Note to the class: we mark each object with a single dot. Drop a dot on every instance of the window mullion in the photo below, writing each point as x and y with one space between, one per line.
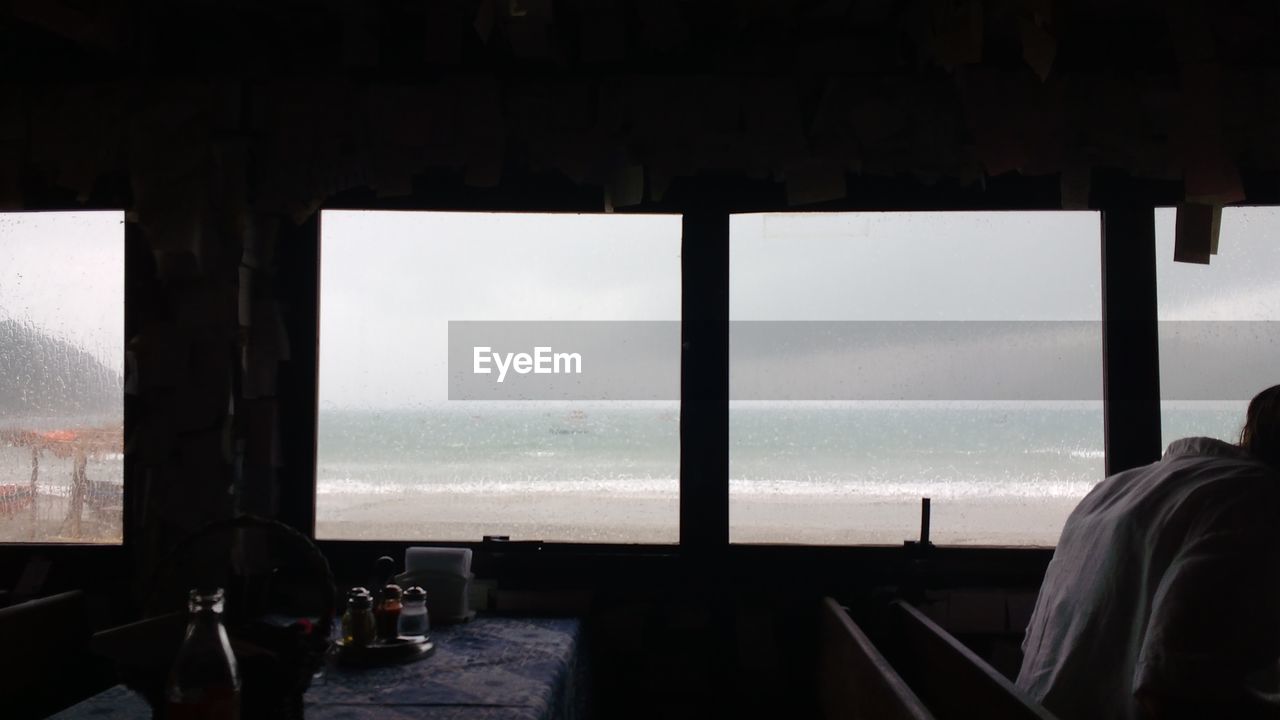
1130 344
704 383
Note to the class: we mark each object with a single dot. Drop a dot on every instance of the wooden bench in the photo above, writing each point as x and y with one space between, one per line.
855 680
951 679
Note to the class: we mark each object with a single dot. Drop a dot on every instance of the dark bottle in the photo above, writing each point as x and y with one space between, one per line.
204 683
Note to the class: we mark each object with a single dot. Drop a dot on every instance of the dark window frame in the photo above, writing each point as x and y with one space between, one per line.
706 203
562 564
136 256
106 567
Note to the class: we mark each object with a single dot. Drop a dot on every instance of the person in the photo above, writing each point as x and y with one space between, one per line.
1162 599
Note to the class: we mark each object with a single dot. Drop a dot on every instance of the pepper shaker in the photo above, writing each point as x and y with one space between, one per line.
387 614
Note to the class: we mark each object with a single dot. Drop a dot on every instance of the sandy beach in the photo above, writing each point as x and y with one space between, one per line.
49 523
54 459
595 519
649 519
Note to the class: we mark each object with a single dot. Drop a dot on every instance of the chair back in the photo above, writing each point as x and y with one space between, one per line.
855 680
951 679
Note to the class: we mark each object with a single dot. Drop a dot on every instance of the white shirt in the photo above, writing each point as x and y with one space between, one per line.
1167 579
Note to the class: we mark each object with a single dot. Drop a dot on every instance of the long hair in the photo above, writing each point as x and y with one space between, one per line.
1261 432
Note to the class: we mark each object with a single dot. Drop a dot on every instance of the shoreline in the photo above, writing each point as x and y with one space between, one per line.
593 518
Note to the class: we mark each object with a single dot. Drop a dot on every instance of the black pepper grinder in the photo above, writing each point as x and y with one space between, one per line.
384 569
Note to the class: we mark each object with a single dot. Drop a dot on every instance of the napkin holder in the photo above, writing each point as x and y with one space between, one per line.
445 573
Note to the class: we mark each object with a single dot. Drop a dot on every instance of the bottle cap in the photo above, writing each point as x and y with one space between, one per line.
415 593
391 592
205 599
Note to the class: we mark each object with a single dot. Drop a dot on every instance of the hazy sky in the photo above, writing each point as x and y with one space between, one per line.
915 266
64 273
1241 282
391 281
384 314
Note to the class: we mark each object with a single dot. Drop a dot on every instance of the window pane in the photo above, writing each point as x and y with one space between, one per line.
877 358
415 443
61 366
1218 329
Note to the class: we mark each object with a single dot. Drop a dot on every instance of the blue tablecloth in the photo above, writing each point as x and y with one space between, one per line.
488 669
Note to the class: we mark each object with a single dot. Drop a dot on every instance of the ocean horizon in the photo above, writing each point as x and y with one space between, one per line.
873 449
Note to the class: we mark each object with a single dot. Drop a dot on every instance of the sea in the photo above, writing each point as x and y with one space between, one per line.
799 452
873 450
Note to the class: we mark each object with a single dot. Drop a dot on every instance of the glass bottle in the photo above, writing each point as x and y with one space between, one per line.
413 613
357 622
388 613
205 682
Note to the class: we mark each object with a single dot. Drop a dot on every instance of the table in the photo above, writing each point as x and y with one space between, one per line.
492 668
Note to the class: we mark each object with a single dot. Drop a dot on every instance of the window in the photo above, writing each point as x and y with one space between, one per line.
1218 330
61 365
431 425
877 358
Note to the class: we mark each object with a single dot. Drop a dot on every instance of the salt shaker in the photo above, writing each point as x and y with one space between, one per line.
414 621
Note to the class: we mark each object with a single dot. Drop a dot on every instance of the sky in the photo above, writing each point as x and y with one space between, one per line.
384 313
391 281
1241 282
64 273
915 266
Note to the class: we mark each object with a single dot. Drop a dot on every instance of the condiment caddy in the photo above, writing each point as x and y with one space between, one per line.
391 630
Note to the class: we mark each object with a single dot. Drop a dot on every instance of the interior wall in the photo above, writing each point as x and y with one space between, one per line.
222 128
